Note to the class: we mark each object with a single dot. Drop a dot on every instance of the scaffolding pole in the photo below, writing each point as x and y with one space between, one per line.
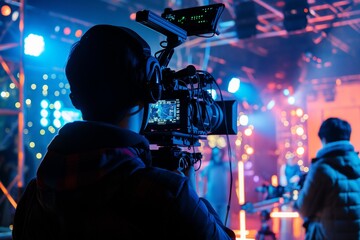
21 119
20 112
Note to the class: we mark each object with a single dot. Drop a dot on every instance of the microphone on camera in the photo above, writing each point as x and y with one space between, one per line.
189 71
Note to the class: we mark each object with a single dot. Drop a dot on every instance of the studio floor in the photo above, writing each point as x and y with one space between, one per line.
280 227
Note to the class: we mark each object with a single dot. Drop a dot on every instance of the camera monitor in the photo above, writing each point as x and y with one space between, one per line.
165 112
196 20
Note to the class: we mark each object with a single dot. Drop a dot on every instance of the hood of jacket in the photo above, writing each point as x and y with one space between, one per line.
84 152
341 156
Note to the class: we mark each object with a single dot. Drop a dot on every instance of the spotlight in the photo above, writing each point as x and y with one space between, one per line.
295 14
34 45
246 19
234 85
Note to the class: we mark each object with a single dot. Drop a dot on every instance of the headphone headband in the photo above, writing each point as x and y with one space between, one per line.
151 65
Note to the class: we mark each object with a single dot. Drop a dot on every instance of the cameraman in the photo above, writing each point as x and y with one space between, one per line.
329 201
96 180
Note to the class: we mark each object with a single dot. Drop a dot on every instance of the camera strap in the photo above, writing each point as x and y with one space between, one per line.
145 118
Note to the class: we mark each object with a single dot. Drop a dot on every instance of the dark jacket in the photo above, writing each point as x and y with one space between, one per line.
331 191
96 182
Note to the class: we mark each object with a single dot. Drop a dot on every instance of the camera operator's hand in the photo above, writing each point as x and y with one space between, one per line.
190 173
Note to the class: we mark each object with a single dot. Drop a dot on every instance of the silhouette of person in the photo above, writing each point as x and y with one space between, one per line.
290 173
214 182
329 201
96 180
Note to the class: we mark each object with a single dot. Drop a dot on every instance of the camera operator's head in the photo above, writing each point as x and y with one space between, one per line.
334 129
111 72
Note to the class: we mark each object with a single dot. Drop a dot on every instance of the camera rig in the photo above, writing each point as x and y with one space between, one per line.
186 111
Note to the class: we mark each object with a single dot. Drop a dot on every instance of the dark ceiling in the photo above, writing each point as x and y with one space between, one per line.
328 48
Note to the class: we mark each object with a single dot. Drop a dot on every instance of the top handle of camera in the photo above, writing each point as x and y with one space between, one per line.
177 25
175 35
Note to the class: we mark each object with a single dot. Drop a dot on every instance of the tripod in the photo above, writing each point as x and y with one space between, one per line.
265 232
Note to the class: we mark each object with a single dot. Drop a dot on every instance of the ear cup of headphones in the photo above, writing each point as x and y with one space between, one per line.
153 85
152 67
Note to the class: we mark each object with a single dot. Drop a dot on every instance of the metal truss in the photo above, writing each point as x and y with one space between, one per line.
321 17
19 83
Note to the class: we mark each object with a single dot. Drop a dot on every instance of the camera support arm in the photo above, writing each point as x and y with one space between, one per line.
175 35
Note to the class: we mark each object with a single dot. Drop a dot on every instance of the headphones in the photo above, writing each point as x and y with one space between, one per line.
153 76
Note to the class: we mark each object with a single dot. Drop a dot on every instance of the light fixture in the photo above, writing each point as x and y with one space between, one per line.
295 14
246 19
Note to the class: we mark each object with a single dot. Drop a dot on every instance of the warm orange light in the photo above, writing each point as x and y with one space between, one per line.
8 196
284 215
241 179
78 33
249 150
300 151
6 68
286 123
297 227
299 130
299 112
248 132
274 181
243 231
241 190
276 222
133 16
5 10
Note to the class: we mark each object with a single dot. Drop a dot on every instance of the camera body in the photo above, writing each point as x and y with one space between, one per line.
180 113
187 109
187 106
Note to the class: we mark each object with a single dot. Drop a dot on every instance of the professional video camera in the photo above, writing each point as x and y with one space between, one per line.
186 111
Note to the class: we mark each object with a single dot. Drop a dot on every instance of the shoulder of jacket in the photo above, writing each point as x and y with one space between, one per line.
160 179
